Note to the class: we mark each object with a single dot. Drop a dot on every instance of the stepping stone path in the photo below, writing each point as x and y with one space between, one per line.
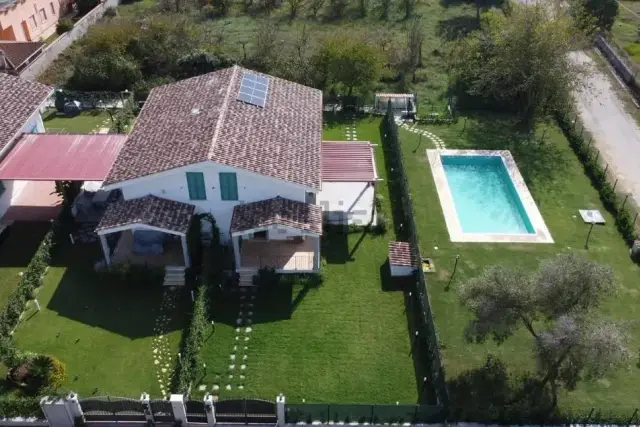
437 141
163 360
103 128
350 132
236 374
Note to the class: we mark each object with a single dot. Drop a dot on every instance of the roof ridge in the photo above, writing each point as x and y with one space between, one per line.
223 112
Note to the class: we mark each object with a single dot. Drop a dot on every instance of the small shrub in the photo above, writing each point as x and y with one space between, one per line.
11 407
377 201
110 12
64 25
37 373
382 225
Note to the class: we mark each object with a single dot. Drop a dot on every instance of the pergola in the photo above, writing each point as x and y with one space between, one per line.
146 213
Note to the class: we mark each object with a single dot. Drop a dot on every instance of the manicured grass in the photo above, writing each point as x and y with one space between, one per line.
17 245
85 122
625 29
345 340
558 184
102 330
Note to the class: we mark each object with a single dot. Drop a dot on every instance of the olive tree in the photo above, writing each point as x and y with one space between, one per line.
557 306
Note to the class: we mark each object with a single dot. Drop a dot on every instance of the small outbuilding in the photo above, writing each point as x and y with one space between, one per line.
402 261
403 104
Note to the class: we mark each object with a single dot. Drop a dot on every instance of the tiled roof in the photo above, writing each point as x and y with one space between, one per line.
19 99
148 210
348 161
200 119
277 211
18 52
400 253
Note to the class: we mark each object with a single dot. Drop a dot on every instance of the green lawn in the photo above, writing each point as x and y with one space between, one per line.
345 340
104 332
17 245
625 29
85 122
559 187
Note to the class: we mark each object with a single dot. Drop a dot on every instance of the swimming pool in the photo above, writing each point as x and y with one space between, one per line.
484 198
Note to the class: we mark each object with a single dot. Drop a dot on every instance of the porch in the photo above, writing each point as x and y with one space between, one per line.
283 255
125 252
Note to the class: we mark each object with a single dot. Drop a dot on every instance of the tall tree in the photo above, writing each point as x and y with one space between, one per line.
385 8
556 305
596 14
348 61
294 7
520 62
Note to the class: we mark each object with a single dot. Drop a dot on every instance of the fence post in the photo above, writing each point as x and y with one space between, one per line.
177 406
73 407
55 411
280 412
210 410
146 407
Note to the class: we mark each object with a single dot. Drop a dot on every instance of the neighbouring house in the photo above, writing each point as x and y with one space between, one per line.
15 56
243 146
30 20
20 105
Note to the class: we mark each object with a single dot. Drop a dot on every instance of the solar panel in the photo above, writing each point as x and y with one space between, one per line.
253 89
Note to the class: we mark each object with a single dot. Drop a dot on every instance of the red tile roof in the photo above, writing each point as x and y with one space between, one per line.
148 210
62 157
17 53
400 253
19 99
348 161
277 211
200 119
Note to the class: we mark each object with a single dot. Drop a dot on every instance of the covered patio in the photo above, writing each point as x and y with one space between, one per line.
280 233
152 231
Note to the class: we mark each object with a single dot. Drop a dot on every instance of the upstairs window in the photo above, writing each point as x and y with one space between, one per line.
228 186
195 182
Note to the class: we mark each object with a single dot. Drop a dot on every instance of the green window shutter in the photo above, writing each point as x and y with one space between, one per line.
195 182
228 186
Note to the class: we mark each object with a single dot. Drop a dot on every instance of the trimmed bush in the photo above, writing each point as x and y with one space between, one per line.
597 174
64 25
11 407
37 373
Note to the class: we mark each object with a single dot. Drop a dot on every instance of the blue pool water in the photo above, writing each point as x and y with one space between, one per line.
484 195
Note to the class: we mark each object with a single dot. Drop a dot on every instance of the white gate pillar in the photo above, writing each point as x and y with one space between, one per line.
210 410
179 411
55 411
73 407
146 407
280 401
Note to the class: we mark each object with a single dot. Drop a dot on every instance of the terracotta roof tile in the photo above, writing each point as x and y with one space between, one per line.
19 99
400 253
18 52
277 211
200 119
148 210
348 161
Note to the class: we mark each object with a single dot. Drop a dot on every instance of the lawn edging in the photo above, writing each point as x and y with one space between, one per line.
417 302
598 176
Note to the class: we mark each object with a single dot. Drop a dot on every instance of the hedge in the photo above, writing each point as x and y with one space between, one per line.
593 169
20 407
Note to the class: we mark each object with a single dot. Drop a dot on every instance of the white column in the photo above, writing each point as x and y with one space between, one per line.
146 407
316 253
55 410
105 249
210 410
236 250
185 251
280 401
179 411
73 407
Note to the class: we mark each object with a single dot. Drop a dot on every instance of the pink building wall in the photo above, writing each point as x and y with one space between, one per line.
30 20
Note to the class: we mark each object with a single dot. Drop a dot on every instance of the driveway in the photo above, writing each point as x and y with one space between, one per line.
615 132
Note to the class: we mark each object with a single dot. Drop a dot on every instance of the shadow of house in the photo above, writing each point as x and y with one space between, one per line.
20 242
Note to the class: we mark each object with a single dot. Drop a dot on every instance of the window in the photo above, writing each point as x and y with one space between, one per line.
228 186
32 21
34 129
2 188
43 15
53 9
195 182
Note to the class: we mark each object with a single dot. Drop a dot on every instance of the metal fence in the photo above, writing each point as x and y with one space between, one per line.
107 408
363 413
195 411
161 410
425 347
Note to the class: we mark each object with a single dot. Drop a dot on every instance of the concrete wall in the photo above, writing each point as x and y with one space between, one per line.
350 202
173 185
51 52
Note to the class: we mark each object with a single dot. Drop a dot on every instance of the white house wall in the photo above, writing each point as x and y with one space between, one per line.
283 233
173 185
351 200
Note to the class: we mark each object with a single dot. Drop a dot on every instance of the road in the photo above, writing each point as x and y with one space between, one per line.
615 132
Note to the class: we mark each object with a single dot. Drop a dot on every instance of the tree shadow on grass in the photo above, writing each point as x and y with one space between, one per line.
540 162
457 28
490 394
